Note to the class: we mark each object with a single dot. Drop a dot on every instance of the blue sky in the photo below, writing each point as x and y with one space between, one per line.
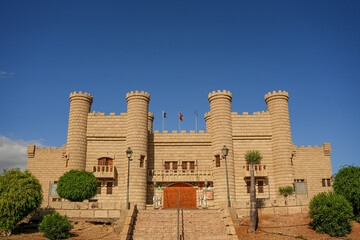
179 51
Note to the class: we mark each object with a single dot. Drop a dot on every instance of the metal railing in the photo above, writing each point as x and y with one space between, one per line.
180 174
104 171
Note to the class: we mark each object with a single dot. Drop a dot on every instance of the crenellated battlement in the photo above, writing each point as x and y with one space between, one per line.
276 95
258 113
182 132
80 95
31 149
94 113
137 94
326 147
219 94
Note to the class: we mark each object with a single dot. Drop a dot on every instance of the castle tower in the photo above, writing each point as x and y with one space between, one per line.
150 122
80 104
277 103
220 129
137 139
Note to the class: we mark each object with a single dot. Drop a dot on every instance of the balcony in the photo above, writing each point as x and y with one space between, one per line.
181 175
260 170
108 172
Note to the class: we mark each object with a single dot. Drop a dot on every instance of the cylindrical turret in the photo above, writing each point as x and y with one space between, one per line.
220 127
80 104
150 122
277 103
137 139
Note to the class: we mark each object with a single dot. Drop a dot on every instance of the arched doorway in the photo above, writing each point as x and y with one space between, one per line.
187 196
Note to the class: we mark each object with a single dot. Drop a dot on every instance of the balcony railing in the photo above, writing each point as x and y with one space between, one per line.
260 170
179 175
103 171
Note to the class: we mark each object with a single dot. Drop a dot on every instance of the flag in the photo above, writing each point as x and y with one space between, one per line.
165 115
181 116
196 114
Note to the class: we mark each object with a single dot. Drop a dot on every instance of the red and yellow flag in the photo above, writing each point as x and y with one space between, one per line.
180 116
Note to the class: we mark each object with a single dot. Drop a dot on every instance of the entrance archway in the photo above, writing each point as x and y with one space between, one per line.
187 196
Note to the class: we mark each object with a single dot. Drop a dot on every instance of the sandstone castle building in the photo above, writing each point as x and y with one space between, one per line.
164 162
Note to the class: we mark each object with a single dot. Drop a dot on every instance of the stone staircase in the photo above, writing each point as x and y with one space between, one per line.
194 224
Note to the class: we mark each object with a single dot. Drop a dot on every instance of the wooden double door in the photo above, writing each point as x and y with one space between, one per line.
187 196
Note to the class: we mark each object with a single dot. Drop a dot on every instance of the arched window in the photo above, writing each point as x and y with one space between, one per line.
105 164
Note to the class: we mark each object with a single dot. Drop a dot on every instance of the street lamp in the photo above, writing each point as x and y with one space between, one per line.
225 152
128 154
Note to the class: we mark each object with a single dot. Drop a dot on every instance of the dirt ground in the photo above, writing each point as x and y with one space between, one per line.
294 226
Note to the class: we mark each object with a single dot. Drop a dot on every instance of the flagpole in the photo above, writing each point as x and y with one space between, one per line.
196 121
163 121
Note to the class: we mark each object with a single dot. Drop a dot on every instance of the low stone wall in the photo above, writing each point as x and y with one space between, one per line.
87 210
279 206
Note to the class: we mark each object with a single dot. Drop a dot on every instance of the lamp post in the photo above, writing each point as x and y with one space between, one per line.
225 152
128 154
154 198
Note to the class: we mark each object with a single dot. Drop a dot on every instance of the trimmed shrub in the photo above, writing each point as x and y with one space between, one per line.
20 194
54 226
347 183
331 214
77 185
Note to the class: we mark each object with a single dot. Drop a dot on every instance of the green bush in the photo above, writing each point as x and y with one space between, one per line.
54 226
331 214
77 185
347 183
20 194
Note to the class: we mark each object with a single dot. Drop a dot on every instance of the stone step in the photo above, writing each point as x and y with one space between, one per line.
194 224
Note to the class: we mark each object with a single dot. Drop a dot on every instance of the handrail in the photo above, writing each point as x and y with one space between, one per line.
178 205
257 167
156 172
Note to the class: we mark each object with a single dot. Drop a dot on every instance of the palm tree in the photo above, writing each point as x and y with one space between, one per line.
252 157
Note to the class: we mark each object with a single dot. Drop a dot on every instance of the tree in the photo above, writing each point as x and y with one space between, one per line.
347 183
20 194
331 213
253 157
77 185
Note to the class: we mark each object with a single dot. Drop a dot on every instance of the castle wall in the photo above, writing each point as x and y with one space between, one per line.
313 164
180 147
100 125
252 132
48 165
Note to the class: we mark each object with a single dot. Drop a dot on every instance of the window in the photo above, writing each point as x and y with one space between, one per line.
328 182
325 181
217 160
105 164
142 159
260 186
192 165
167 165
184 165
248 186
174 165
109 187
98 191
